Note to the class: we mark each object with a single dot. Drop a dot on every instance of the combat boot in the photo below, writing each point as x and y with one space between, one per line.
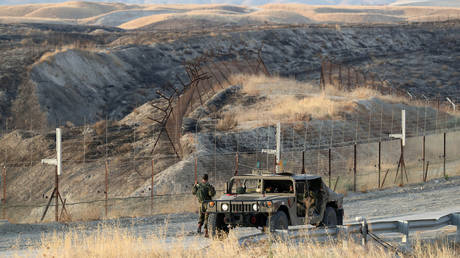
199 229
206 232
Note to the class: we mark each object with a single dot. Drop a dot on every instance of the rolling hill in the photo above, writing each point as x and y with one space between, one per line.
180 16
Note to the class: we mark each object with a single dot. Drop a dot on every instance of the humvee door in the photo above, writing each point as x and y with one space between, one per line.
300 190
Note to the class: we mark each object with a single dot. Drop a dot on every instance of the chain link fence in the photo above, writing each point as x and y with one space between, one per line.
109 168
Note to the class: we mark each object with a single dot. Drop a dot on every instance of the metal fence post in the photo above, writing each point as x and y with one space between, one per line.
364 231
106 191
354 167
423 159
380 162
303 162
196 170
444 157
56 193
330 167
151 190
4 192
236 163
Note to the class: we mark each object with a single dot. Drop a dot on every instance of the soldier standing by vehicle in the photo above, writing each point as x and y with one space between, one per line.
316 204
204 191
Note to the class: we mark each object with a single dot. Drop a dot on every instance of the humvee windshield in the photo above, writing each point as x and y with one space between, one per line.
246 186
278 186
250 186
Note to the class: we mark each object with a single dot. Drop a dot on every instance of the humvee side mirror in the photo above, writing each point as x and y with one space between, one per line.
226 188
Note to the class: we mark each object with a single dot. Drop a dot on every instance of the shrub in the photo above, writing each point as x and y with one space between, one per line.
227 122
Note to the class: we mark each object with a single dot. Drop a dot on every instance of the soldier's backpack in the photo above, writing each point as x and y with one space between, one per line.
204 192
201 192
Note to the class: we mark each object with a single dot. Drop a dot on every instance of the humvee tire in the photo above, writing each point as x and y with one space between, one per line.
330 217
278 221
216 225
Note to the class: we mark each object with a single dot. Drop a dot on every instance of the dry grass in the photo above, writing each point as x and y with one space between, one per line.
287 100
132 209
67 10
77 45
227 122
113 241
316 107
131 16
143 21
263 85
101 126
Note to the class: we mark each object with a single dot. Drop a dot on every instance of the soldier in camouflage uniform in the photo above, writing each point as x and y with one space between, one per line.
316 205
312 204
204 191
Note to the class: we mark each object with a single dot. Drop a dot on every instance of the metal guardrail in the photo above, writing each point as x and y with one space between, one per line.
362 228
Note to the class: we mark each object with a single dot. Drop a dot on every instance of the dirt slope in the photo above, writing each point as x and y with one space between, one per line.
119 79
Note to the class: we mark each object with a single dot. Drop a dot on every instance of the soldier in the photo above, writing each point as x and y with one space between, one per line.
309 202
316 204
204 191
304 203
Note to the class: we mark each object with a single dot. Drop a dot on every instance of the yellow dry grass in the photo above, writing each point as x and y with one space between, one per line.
316 107
113 241
227 123
288 100
301 14
89 48
89 13
67 10
126 209
47 56
143 21
371 14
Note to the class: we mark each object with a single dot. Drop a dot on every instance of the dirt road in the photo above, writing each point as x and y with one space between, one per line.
438 195
441 196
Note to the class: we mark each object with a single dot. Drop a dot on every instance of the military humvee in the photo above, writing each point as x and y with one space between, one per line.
274 201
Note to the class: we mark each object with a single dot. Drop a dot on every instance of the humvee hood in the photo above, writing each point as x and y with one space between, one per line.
250 197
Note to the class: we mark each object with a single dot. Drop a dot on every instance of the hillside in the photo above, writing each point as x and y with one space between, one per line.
102 72
445 3
262 2
125 70
124 148
183 16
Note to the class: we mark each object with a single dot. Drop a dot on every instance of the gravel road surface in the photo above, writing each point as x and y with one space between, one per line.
435 197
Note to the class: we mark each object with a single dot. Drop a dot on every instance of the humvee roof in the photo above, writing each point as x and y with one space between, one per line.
294 176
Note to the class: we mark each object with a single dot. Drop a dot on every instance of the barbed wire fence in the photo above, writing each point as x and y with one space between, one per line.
117 163
112 165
